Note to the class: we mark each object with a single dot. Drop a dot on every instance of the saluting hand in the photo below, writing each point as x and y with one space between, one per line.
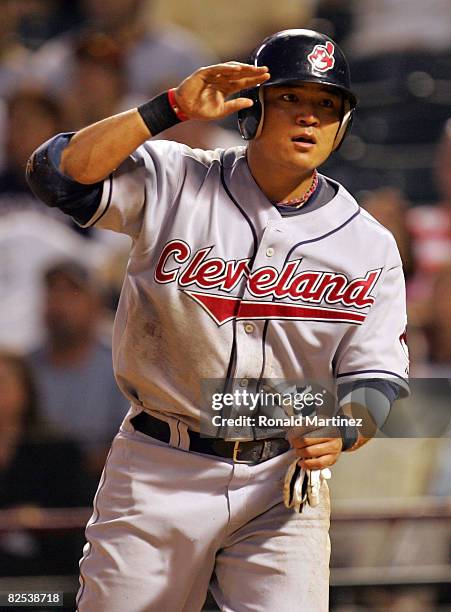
203 95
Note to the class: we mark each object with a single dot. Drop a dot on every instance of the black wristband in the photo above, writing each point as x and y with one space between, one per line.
349 435
158 114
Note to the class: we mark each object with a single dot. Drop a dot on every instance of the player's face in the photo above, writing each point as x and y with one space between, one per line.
300 124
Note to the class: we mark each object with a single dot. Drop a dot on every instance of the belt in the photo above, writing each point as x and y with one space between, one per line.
250 451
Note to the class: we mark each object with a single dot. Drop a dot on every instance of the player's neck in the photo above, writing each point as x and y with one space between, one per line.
280 184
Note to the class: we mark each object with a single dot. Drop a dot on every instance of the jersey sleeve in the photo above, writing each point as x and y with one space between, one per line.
377 396
377 349
145 181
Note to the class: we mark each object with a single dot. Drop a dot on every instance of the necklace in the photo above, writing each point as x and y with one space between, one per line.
298 202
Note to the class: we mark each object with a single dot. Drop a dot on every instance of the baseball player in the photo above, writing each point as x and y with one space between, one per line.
247 265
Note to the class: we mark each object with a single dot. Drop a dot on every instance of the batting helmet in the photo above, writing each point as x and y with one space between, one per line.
294 56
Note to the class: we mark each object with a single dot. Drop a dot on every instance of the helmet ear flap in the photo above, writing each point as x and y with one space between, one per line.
345 126
249 119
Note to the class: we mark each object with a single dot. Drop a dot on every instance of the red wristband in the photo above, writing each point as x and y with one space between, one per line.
175 108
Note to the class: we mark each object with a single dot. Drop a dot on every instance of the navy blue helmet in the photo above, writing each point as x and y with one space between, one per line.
295 56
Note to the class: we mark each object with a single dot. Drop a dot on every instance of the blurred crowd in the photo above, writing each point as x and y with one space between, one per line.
64 65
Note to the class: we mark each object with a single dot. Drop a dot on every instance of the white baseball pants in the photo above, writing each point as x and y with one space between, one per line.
168 523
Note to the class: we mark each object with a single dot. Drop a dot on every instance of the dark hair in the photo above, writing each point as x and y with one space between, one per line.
31 422
38 98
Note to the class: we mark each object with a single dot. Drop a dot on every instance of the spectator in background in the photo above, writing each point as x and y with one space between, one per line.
37 470
155 56
31 237
98 83
73 369
31 117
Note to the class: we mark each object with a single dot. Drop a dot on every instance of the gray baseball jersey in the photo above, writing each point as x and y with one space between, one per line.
221 286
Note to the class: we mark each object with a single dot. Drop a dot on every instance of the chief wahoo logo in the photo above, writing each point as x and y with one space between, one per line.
322 57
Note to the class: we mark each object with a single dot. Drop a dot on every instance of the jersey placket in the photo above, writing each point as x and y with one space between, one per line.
251 351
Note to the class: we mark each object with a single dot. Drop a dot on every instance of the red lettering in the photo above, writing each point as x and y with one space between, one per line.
302 285
235 270
335 289
316 293
261 282
310 286
207 273
190 273
357 291
181 252
282 288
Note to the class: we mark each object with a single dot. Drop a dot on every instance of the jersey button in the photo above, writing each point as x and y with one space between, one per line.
248 328
269 252
244 382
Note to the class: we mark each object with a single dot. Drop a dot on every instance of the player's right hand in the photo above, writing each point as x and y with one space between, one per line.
203 95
